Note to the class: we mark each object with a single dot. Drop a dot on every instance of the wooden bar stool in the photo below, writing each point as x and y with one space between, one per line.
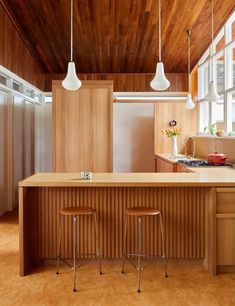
140 212
76 212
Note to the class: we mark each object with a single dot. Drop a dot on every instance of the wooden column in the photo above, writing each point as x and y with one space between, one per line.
82 129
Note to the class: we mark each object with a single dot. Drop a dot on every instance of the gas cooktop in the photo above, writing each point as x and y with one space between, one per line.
200 163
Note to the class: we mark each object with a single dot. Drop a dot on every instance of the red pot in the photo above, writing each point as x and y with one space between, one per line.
216 158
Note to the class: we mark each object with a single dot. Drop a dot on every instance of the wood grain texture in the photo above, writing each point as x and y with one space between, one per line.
117 36
82 127
15 55
204 177
186 120
126 81
183 211
209 144
225 226
161 165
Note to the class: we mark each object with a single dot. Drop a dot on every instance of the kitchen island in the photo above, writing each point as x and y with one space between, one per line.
190 205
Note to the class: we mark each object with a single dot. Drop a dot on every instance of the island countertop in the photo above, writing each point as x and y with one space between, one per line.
208 177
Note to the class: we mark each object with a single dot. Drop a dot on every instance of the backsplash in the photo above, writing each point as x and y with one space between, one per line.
208 144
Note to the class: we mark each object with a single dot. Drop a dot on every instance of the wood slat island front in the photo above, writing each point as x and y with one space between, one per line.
187 202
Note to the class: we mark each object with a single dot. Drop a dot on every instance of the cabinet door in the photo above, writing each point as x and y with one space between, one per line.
163 166
181 168
225 229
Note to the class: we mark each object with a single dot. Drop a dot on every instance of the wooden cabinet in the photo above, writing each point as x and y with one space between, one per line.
225 229
181 168
82 127
162 165
165 165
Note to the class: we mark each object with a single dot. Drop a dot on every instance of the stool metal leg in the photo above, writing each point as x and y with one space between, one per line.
139 251
74 251
97 241
59 246
124 244
163 245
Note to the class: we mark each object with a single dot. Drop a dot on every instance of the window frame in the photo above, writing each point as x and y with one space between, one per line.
228 86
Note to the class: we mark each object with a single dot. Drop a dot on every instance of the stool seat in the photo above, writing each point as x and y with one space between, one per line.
77 211
142 211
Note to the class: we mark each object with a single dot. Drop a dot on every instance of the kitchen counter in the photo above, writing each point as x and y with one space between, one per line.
204 176
187 202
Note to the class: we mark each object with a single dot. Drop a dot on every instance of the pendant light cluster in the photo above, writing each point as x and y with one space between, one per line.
159 81
71 82
189 102
212 95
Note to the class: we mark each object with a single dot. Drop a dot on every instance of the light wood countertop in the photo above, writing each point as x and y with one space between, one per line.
200 177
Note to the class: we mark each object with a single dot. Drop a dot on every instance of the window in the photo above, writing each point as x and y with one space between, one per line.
233 30
219 41
16 86
204 117
233 66
219 67
204 81
233 111
218 112
29 92
3 80
222 57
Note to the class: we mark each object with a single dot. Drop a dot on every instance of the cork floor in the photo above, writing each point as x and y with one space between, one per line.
188 283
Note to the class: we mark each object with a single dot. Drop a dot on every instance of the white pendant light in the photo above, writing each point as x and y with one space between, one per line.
159 81
212 95
189 102
71 82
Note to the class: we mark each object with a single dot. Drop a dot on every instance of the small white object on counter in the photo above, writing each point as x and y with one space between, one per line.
85 175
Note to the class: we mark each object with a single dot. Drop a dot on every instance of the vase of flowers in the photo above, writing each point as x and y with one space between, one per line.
173 133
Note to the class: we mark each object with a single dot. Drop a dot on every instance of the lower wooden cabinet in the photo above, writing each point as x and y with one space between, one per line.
181 168
225 230
161 165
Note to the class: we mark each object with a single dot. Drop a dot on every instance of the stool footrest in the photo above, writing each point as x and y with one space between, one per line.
143 255
79 255
138 255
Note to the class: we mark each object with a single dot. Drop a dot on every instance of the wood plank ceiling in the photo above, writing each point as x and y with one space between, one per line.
116 36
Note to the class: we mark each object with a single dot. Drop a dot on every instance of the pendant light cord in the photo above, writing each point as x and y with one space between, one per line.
159 31
189 33
212 39
71 33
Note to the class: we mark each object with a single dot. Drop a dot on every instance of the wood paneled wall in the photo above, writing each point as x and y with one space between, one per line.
208 144
183 211
82 129
128 81
14 54
164 113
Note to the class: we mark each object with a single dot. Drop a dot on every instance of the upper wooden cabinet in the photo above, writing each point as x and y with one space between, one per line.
82 127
